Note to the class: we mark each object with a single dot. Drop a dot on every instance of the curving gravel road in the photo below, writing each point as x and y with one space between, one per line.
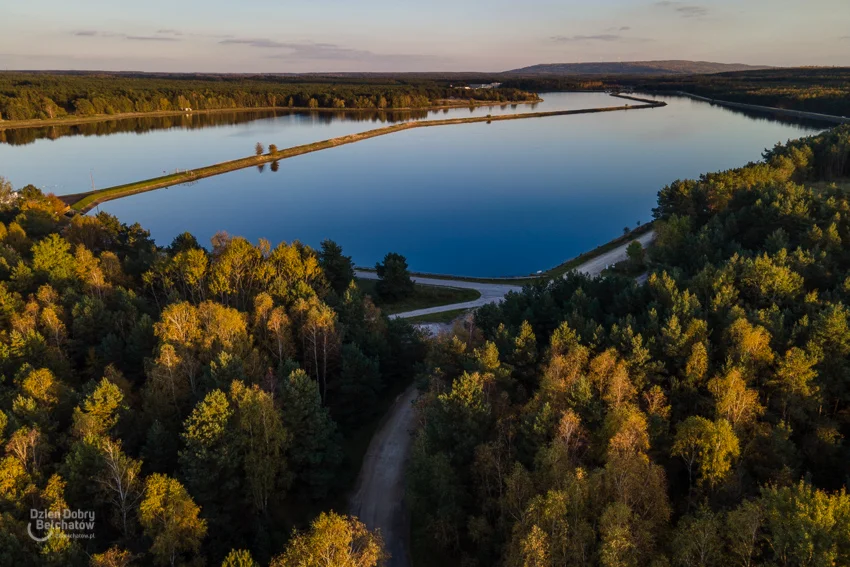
495 293
490 293
594 266
378 499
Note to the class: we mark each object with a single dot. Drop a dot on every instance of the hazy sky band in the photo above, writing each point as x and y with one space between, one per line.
400 35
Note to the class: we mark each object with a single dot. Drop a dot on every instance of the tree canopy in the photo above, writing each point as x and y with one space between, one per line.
699 419
189 397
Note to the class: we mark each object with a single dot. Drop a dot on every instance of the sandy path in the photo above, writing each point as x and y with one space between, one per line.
490 293
595 266
379 498
495 293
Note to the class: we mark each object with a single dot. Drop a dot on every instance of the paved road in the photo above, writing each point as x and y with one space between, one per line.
379 498
490 293
595 266
495 293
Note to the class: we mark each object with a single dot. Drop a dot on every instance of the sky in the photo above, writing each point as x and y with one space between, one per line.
281 36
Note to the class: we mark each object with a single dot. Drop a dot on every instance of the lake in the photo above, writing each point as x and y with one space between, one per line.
500 199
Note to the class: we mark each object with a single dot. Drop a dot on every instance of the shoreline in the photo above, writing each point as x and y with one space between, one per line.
832 118
85 201
80 120
553 272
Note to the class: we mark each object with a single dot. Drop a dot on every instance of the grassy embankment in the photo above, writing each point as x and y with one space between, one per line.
424 296
557 271
442 317
561 269
84 202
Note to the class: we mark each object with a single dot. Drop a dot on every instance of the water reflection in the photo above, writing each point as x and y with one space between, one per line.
507 198
195 121
123 151
757 115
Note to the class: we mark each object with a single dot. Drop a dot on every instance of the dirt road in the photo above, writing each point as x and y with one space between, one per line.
490 293
494 293
595 266
379 498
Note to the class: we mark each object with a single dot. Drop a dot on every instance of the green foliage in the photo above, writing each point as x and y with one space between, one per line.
637 256
710 446
314 453
333 540
48 96
807 526
813 89
163 388
239 558
699 419
394 278
170 519
338 268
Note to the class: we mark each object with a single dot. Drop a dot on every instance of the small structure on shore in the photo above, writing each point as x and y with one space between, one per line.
485 86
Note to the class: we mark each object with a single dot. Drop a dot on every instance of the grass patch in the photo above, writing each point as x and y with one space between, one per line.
520 281
444 317
424 296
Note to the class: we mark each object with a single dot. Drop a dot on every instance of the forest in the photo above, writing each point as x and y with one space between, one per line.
200 404
209 405
817 89
812 89
30 96
698 420
151 123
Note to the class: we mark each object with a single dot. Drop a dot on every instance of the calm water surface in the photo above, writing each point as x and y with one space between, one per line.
65 159
506 198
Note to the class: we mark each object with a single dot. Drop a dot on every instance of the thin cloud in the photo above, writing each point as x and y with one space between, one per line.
180 33
597 37
603 37
325 51
683 9
262 43
150 38
94 33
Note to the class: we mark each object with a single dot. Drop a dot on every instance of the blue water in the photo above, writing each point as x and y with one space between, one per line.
69 164
507 198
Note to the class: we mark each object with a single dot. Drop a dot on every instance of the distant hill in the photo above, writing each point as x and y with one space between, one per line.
635 68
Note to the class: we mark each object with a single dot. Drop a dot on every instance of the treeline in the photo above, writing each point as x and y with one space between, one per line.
200 403
144 124
817 89
44 96
700 419
568 83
